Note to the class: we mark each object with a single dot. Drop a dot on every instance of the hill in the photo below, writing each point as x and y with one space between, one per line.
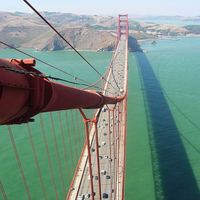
80 38
84 32
26 30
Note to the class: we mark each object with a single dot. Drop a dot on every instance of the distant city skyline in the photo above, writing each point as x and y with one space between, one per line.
107 7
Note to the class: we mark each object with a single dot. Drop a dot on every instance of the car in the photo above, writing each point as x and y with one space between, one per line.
104 109
93 150
105 195
106 157
89 177
112 143
96 177
107 177
87 196
111 190
103 172
100 157
80 197
88 164
103 143
105 134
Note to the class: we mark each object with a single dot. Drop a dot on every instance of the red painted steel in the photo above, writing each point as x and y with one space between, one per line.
86 121
25 95
21 95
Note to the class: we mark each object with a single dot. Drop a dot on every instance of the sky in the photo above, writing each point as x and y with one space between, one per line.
107 7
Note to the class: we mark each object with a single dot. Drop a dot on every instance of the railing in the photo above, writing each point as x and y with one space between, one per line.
55 149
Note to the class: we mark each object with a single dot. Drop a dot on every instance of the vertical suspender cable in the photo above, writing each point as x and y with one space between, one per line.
18 161
88 150
74 136
36 161
119 121
78 131
47 151
82 131
3 191
110 150
63 140
56 145
113 149
77 122
97 152
116 148
69 137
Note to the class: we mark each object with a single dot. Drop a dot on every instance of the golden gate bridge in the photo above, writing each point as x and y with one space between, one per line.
90 123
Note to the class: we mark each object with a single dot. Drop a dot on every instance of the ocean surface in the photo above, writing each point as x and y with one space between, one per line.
163 134
163 142
171 22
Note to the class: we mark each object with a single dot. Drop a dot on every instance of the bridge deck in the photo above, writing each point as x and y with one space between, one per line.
111 146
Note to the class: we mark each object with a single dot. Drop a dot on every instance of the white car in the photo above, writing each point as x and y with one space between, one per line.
80 197
104 109
89 177
103 172
103 143
87 196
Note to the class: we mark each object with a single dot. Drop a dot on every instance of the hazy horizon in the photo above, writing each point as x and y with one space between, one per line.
111 7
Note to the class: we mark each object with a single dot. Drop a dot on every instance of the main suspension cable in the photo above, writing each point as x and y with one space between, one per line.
67 41
87 84
61 36
43 62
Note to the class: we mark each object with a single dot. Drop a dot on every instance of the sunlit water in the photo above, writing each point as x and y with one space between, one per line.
171 22
163 149
163 136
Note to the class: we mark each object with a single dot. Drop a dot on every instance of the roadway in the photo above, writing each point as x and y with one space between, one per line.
110 139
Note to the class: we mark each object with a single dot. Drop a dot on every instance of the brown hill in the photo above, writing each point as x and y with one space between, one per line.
16 30
84 32
23 30
80 38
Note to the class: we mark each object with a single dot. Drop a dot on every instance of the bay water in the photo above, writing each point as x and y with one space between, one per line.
163 133
171 22
163 141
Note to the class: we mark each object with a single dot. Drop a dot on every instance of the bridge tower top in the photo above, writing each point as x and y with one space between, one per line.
122 26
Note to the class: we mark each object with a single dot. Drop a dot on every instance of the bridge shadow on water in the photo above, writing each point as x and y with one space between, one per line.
173 175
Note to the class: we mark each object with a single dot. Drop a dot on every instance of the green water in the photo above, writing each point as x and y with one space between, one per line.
10 175
163 124
175 67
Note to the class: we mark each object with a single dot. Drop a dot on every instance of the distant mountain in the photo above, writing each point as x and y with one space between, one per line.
177 17
84 32
16 30
80 38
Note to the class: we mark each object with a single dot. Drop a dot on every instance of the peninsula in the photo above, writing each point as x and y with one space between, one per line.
84 32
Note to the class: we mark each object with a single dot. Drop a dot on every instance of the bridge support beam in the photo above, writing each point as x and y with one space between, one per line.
25 92
95 121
